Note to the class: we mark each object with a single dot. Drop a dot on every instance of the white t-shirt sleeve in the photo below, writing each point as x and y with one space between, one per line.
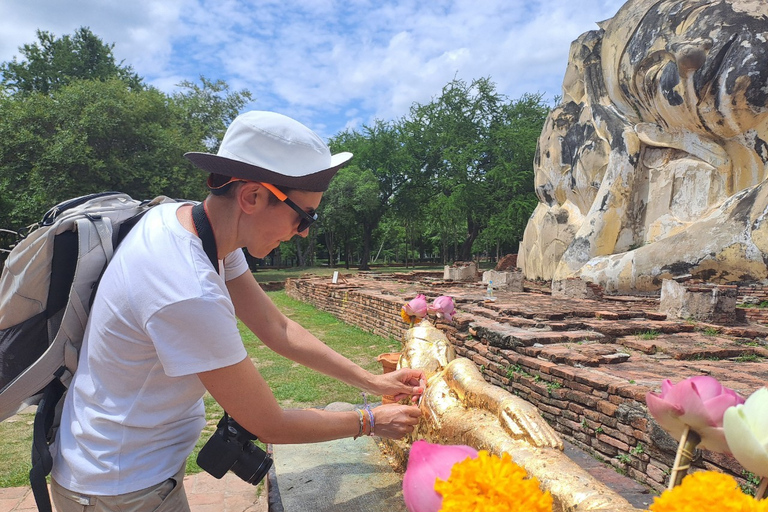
235 264
196 335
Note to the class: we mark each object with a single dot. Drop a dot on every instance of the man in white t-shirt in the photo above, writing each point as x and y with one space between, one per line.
163 331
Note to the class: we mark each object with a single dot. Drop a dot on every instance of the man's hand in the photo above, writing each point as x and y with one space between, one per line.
406 382
394 421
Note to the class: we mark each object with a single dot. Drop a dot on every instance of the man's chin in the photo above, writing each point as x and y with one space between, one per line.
263 253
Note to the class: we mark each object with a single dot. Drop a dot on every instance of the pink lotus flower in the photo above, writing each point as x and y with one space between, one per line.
426 463
443 307
416 307
697 402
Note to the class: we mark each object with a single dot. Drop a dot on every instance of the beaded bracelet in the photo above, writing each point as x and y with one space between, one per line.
370 413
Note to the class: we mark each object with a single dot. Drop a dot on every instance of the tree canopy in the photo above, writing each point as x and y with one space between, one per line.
456 174
75 122
53 62
450 180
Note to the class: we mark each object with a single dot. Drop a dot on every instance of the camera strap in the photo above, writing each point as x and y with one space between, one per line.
205 232
224 422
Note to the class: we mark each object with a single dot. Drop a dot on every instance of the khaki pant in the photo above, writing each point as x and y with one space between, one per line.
167 496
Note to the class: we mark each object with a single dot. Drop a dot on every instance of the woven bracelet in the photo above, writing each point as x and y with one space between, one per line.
362 421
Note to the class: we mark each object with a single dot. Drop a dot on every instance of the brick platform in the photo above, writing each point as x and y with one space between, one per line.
586 364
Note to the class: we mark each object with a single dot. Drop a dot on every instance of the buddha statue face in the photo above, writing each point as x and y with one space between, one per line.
663 127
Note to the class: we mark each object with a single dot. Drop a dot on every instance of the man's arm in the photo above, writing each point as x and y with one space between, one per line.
289 339
245 395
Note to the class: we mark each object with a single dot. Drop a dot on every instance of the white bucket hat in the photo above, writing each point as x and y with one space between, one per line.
273 148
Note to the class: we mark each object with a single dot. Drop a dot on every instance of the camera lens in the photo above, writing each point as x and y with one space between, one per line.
230 449
253 463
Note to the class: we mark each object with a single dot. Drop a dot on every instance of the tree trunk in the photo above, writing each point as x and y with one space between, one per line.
366 255
300 256
466 246
346 256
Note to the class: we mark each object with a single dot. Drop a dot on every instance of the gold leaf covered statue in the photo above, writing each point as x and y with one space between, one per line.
460 407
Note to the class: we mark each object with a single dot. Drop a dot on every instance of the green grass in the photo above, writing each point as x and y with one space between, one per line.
648 335
16 436
293 385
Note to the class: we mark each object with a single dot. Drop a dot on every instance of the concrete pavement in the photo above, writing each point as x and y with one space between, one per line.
205 494
337 476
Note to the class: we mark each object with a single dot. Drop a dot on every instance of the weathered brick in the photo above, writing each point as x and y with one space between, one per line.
579 387
480 360
568 423
639 423
582 398
593 425
554 411
607 408
567 373
603 447
619 445
616 433
553 399
594 380
657 474
592 415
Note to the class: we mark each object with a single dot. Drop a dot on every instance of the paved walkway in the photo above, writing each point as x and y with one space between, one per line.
205 494
338 476
346 475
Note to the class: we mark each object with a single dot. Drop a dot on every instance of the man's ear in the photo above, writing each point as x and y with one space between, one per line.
251 196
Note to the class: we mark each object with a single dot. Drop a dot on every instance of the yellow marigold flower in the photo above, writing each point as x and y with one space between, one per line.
491 484
706 491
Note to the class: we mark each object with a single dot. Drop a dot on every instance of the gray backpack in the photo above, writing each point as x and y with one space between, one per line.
46 289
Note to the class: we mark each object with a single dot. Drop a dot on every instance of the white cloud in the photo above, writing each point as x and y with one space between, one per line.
330 63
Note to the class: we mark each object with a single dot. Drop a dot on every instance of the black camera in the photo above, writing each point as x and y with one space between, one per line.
231 447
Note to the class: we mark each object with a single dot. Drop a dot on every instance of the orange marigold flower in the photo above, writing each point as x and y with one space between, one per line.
491 484
707 491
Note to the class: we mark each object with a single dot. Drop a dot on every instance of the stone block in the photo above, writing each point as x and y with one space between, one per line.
460 271
575 288
506 281
704 303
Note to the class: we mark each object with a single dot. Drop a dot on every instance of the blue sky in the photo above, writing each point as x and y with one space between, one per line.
330 64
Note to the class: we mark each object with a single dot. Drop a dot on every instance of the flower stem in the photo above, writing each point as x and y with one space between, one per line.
688 443
760 492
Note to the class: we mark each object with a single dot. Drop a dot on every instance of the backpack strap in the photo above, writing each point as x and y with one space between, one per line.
42 461
205 232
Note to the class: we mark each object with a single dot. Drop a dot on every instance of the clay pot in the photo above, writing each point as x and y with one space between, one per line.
388 364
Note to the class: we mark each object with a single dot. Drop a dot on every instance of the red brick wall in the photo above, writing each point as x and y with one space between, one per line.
605 417
754 294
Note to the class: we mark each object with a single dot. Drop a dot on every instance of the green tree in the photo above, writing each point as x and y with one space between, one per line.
210 108
91 136
349 209
53 62
380 160
513 139
73 122
450 138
